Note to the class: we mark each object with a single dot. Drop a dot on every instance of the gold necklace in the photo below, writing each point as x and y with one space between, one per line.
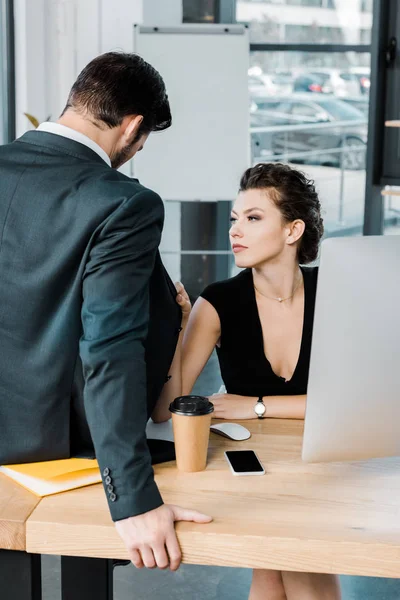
279 299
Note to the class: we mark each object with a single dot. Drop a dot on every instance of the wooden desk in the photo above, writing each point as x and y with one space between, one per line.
16 505
331 518
20 575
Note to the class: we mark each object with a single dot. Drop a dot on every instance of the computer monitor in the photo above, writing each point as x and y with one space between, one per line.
353 397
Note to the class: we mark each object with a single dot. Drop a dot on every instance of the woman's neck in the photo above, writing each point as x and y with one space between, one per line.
278 280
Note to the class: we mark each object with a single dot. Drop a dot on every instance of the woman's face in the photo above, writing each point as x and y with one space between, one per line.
258 233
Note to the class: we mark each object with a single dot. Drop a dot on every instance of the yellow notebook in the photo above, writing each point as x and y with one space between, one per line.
54 476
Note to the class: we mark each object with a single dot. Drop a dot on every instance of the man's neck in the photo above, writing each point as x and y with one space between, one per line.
104 138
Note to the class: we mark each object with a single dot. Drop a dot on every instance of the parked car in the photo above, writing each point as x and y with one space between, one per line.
363 76
360 102
283 81
329 145
264 112
309 82
261 85
328 81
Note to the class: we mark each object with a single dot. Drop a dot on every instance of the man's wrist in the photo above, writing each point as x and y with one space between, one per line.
136 503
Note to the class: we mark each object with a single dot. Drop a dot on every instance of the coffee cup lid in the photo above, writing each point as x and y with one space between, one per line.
191 406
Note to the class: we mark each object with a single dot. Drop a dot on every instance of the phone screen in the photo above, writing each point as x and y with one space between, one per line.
244 461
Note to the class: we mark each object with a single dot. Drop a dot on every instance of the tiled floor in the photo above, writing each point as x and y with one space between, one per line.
205 583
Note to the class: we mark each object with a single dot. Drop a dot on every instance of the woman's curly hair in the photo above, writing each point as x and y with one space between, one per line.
295 196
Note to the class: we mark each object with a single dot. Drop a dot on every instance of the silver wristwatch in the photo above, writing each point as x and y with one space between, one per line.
260 408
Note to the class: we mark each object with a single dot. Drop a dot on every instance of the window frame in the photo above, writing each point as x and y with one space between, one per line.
7 75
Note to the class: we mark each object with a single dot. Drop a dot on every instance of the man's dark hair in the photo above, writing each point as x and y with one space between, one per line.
115 85
296 198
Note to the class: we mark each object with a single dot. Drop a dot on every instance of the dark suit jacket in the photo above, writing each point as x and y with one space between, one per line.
78 255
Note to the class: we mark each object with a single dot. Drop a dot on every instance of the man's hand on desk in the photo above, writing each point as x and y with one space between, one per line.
150 538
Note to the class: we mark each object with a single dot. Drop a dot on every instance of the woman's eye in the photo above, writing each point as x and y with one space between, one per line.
232 220
254 218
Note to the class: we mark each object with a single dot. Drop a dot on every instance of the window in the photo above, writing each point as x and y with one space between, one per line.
322 127
317 3
199 11
392 211
366 6
314 34
306 21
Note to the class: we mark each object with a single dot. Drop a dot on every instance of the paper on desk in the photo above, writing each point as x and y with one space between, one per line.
163 431
160 431
222 390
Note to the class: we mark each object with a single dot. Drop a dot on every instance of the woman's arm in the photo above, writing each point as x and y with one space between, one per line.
202 333
173 387
232 406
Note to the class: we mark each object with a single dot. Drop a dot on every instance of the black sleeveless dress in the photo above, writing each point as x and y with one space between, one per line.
245 369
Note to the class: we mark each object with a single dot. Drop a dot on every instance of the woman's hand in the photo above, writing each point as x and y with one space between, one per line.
173 385
183 300
232 406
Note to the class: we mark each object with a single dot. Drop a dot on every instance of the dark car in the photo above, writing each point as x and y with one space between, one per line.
325 144
311 83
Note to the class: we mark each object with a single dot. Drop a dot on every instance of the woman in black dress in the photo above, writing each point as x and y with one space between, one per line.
261 324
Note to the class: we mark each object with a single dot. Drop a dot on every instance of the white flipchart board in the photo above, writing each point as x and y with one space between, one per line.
202 156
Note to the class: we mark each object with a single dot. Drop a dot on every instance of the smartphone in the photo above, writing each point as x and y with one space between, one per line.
244 462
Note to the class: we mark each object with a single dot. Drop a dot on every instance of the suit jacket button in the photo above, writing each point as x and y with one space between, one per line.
113 497
107 480
110 488
106 472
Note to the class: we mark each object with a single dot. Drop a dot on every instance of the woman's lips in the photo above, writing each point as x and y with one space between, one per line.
237 248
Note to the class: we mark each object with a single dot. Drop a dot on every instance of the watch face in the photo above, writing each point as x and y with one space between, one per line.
259 409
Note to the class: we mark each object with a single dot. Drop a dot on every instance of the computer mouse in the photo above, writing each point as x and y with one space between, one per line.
233 431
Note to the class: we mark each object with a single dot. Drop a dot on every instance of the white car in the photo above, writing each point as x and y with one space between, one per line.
261 85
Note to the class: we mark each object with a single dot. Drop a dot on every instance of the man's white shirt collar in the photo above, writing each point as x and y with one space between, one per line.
72 134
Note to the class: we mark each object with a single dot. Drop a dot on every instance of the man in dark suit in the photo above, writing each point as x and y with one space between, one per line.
78 255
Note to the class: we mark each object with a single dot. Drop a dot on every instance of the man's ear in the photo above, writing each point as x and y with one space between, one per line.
130 127
295 231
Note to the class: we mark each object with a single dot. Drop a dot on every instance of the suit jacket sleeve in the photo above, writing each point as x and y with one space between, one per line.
115 314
